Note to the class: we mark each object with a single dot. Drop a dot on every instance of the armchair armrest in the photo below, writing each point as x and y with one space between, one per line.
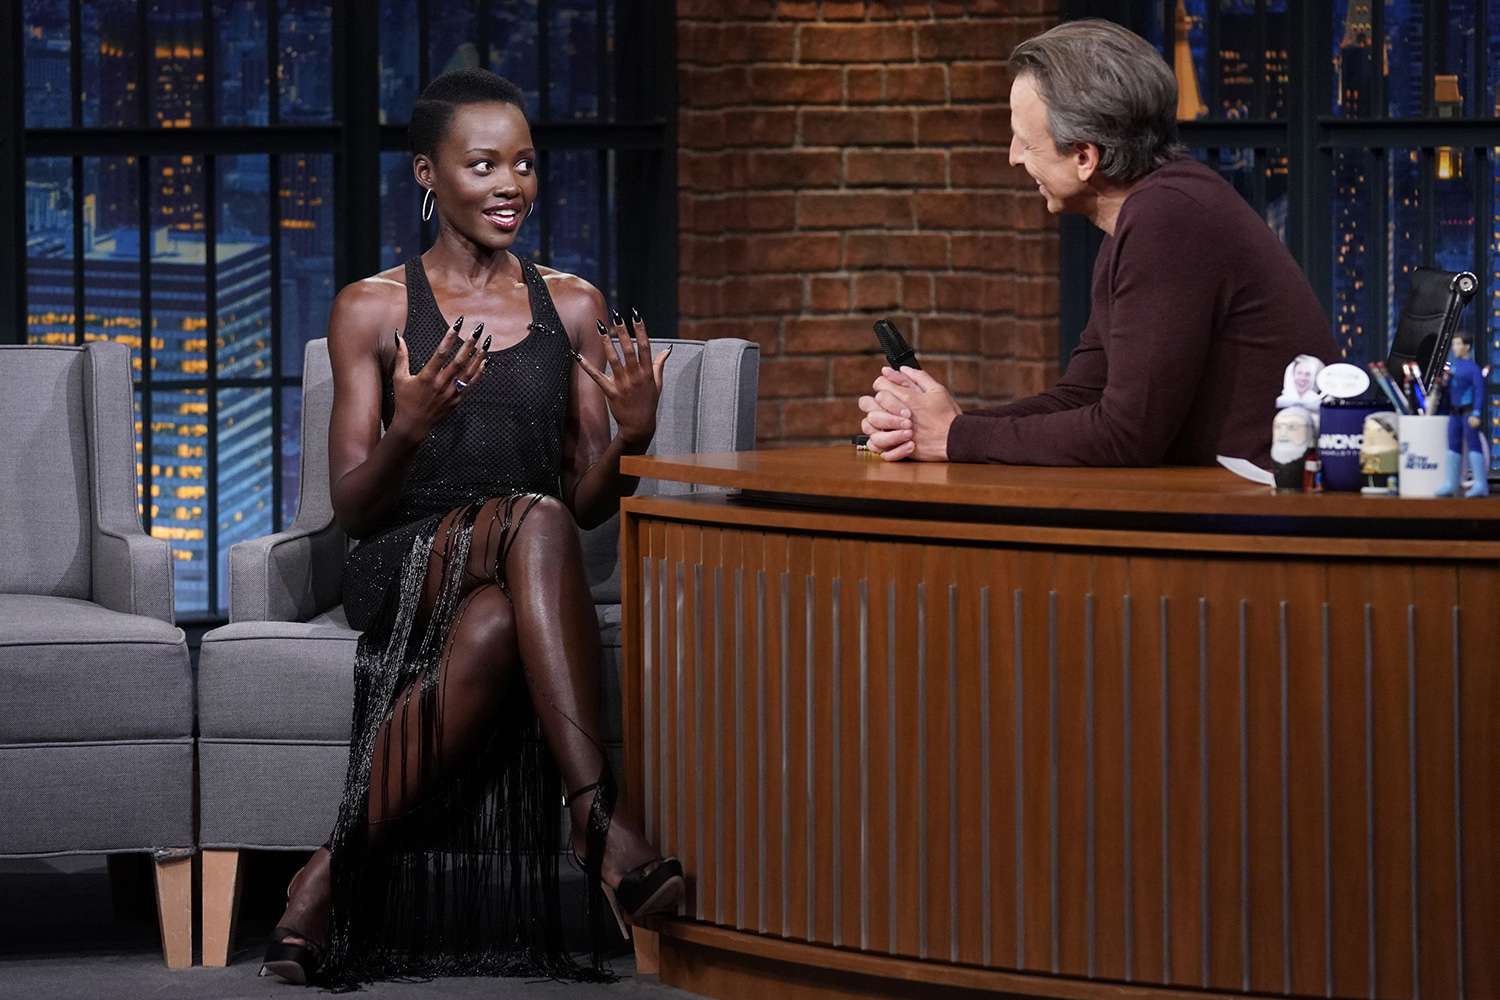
289 576
133 573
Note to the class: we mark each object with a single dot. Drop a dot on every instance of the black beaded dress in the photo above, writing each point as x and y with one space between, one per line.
466 882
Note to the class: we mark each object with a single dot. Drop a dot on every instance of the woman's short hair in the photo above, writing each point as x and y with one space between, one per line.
434 109
1108 86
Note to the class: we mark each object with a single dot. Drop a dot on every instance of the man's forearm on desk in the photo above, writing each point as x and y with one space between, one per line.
1084 436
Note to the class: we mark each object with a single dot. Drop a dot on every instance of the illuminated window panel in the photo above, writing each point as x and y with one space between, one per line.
242 261
112 253
243 502
573 39
179 281
513 47
175 64
306 241
49 251
47 50
304 86
400 210
574 187
1354 327
179 489
1405 239
291 452
399 69
111 64
243 96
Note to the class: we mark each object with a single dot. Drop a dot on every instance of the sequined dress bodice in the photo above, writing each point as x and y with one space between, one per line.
505 436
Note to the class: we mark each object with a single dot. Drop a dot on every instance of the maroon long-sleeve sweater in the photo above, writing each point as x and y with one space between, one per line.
1197 311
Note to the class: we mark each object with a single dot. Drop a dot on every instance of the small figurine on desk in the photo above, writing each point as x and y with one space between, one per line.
1378 454
1293 433
1300 384
1465 418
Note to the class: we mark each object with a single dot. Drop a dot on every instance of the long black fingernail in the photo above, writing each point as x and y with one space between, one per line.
477 331
486 346
614 314
600 324
635 314
396 337
576 356
458 323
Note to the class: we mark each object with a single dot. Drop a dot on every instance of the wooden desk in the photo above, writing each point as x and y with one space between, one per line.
1063 733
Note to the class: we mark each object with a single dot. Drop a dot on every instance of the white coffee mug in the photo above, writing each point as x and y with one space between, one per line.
1424 454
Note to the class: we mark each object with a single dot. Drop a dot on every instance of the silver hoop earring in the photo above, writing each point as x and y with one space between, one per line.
529 209
427 203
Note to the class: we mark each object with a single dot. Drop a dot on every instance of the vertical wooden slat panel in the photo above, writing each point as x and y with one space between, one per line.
1479 777
753 696
1033 580
1434 589
821 690
1263 775
1392 776
778 733
1109 585
910 796
1183 862
799 565
1303 586
1147 747
630 656
726 719
1348 585
846 802
881 775
1224 592
973 887
671 673
1000 640
933 844
711 762
686 676
1071 763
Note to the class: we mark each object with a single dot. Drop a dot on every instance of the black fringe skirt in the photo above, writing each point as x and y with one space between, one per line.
466 882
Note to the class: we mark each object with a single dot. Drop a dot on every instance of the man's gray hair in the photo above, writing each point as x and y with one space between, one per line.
1107 86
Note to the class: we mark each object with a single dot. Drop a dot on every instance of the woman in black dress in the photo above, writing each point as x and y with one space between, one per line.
476 681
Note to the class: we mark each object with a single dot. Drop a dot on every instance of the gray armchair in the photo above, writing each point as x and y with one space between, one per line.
276 685
96 735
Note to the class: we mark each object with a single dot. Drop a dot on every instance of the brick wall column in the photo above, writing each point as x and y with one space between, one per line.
840 162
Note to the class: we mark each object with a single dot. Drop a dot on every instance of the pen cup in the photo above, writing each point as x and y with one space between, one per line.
1424 450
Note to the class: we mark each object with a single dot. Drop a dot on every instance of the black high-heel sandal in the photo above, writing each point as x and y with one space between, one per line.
294 963
648 890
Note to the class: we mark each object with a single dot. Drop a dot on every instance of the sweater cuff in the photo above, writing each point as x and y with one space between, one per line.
966 438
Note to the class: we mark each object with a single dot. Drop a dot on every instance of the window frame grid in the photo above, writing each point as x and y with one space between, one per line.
353 136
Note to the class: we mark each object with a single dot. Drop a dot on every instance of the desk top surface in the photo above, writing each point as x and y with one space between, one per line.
841 471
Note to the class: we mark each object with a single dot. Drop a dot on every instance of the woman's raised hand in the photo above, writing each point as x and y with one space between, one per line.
423 400
633 386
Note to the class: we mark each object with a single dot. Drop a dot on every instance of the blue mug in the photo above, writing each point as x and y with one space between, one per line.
1341 432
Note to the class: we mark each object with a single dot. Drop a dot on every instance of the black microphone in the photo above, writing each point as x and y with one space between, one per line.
898 353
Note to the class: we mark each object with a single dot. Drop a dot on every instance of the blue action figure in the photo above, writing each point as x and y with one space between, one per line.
1465 417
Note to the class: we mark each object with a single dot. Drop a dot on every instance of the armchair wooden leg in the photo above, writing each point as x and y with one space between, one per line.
221 904
647 962
174 909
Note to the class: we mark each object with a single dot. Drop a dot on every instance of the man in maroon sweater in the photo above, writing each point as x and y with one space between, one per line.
1197 307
